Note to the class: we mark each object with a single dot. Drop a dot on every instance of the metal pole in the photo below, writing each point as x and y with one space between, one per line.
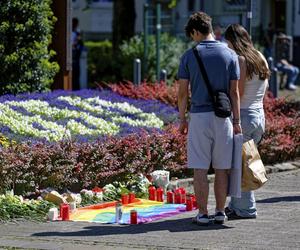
158 30
249 16
137 71
146 42
163 75
273 80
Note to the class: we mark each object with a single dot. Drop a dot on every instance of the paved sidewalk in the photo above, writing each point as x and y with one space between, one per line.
277 227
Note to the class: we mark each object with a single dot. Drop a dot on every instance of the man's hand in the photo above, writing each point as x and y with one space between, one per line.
183 127
237 129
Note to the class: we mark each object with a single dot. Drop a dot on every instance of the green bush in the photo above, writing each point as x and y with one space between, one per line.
100 62
25 34
170 53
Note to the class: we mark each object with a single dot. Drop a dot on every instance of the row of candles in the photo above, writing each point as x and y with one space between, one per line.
179 196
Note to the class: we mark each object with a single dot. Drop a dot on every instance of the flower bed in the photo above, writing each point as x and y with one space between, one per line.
80 115
281 141
73 165
145 142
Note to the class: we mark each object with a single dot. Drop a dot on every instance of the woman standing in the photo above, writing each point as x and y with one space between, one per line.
252 87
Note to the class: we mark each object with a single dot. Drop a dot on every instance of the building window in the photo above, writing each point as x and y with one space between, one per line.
235 5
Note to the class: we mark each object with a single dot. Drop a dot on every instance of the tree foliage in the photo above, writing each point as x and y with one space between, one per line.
25 34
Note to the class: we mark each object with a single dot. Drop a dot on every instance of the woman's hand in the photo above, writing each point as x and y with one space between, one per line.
237 129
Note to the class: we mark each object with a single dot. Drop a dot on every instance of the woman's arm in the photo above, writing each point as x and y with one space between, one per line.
243 71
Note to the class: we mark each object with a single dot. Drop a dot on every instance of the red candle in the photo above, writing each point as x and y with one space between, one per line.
193 197
152 192
125 199
177 197
133 217
131 197
183 195
160 193
170 196
64 211
189 204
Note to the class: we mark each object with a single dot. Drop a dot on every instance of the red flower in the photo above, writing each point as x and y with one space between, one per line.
97 190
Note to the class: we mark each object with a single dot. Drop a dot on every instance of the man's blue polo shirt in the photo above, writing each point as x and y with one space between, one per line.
221 64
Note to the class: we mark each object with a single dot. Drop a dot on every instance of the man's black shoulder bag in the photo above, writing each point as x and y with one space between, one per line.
221 100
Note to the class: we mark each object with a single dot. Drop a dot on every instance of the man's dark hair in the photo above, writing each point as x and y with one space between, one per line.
199 21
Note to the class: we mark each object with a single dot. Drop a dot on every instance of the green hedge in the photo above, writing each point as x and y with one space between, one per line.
103 67
25 34
170 52
100 62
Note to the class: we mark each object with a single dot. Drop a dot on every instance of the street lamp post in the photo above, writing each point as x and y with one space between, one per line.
145 61
158 31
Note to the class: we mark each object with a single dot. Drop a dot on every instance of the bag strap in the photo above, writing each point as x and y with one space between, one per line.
204 74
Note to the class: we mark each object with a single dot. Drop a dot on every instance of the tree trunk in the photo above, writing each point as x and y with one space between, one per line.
123 21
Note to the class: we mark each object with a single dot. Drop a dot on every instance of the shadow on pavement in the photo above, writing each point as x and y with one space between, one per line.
180 225
280 199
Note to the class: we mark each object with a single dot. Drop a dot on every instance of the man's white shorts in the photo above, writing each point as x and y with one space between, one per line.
210 140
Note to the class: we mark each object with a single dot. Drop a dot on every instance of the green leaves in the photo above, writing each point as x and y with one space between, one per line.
13 207
170 52
25 34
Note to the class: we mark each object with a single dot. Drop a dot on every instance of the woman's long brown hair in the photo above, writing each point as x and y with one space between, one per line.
243 46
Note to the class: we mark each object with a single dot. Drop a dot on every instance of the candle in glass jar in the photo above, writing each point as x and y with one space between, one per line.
152 192
160 193
133 217
170 197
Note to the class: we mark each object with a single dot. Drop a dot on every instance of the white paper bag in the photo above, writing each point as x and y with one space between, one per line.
235 178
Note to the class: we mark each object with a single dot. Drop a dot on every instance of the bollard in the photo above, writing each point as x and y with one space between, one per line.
83 81
163 75
137 71
273 79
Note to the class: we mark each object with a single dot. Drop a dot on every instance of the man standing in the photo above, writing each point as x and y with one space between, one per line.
210 138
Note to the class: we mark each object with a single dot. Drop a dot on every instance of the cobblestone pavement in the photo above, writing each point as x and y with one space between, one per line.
277 227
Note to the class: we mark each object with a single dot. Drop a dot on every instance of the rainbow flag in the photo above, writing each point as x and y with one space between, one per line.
147 211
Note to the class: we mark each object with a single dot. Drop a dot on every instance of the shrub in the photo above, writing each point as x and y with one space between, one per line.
26 167
147 91
100 61
170 53
281 141
25 34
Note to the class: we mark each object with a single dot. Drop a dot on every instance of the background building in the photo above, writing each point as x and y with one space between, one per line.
96 22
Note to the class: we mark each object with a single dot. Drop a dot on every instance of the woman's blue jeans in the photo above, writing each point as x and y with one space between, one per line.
253 127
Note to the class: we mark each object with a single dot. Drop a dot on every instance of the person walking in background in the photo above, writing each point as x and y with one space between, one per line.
210 138
252 88
77 47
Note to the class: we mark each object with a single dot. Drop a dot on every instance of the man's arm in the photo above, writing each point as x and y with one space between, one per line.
235 101
183 94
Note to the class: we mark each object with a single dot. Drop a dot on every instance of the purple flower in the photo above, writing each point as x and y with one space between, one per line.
166 113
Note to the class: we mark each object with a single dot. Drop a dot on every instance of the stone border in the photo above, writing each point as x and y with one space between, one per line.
279 167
